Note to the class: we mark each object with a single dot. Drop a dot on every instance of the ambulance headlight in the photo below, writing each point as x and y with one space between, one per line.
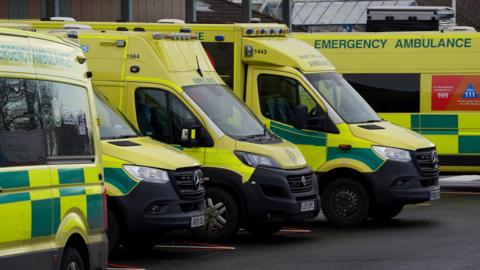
392 153
147 174
254 160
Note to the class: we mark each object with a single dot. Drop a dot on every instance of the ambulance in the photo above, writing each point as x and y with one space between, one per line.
151 187
52 194
428 82
166 86
366 166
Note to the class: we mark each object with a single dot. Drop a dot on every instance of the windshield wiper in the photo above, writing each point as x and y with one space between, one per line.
119 137
368 121
248 137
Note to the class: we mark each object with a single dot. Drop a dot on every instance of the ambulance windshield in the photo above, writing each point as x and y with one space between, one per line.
343 98
226 111
112 123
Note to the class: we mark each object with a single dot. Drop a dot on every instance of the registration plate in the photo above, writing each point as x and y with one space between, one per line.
197 221
307 206
434 195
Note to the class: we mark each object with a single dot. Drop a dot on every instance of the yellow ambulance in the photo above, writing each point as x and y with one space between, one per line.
366 166
52 195
428 82
166 86
151 187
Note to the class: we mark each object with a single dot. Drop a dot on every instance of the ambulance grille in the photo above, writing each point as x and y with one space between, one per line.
427 162
190 186
298 186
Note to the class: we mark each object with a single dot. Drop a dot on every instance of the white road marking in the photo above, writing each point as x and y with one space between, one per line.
211 247
460 178
294 230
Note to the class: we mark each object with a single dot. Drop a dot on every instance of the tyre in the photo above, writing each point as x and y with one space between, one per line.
345 202
386 212
222 217
265 230
113 232
72 260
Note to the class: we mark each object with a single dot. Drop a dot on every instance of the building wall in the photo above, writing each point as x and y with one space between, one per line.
96 10
153 10
20 9
467 10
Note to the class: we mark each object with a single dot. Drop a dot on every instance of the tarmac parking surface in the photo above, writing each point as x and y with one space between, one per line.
442 234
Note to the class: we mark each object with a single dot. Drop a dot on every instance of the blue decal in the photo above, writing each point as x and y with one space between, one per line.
85 48
470 92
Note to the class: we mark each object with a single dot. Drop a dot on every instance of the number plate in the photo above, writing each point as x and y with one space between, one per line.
197 221
434 195
307 206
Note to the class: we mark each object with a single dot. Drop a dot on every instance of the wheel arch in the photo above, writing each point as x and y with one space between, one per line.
77 241
230 182
116 208
326 178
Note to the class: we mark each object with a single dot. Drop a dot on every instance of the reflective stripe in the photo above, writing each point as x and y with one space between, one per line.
95 211
297 136
435 123
18 179
364 155
71 176
14 197
469 144
118 178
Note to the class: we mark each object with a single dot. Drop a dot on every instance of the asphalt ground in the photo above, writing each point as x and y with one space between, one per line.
442 234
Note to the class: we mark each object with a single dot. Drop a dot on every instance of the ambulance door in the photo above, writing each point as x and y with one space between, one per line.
161 113
25 182
275 96
75 172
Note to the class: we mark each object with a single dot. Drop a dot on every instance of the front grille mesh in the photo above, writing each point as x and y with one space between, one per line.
189 187
299 185
427 162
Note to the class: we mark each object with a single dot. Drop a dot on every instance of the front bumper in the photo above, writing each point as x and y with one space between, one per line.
270 198
403 183
171 211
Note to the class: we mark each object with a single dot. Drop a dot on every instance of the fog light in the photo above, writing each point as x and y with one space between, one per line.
155 208
401 183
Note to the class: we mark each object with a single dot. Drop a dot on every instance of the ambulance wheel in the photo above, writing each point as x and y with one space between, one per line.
72 260
386 212
113 232
345 202
265 230
222 217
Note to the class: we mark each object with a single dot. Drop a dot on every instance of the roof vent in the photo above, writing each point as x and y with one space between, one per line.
172 21
62 19
77 27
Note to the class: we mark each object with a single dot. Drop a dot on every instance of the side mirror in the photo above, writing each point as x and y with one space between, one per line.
300 117
189 134
319 121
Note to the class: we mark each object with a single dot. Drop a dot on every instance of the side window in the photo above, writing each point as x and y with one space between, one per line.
389 93
152 114
22 136
43 121
161 115
179 117
221 55
280 95
65 114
